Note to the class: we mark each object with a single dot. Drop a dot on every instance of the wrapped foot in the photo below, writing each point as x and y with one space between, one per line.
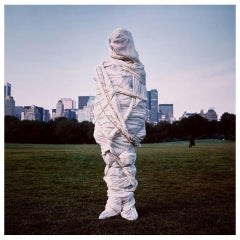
129 211
131 214
107 213
112 208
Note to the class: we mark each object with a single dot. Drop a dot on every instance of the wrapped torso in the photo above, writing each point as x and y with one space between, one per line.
120 104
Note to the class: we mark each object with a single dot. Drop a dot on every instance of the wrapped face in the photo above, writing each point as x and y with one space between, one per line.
122 46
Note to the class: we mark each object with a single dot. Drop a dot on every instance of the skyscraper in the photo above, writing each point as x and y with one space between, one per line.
46 115
83 101
9 106
59 109
166 112
69 114
86 114
33 113
68 103
152 106
19 111
7 90
9 103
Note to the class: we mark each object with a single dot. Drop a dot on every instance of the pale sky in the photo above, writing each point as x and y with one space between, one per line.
188 52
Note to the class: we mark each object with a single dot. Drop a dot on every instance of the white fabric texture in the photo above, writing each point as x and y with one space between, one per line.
119 118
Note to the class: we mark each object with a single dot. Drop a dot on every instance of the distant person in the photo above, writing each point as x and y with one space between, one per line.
191 142
119 117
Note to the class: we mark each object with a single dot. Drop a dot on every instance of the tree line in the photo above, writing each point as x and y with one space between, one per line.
64 131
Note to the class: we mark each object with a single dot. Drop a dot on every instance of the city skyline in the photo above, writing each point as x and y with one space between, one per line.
66 107
188 52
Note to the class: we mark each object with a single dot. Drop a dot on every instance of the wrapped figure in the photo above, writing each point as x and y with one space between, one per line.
119 118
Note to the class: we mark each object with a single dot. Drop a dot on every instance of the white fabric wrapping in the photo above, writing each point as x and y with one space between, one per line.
119 117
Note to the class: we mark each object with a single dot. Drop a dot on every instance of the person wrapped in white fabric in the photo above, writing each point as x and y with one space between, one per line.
119 118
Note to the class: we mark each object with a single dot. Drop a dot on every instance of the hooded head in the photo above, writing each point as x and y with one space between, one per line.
122 45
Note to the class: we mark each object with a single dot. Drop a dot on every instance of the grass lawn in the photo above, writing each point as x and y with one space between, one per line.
58 189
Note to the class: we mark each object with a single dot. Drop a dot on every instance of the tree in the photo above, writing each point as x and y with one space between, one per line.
11 132
86 130
32 132
64 131
194 125
149 133
67 131
228 125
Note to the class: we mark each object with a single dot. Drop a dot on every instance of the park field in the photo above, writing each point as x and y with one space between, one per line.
58 189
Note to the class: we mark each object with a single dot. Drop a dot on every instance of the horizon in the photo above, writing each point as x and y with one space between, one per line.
76 103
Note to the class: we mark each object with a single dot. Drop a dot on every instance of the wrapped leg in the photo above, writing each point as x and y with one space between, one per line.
129 211
120 178
112 208
114 204
128 160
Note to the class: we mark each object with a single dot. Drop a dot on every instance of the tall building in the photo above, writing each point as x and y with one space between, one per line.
7 90
39 113
68 103
152 106
46 115
166 112
59 109
9 103
29 113
69 114
83 101
53 113
65 108
9 106
86 114
19 110
33 113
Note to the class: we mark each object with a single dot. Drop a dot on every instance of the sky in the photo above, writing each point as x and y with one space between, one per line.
189 52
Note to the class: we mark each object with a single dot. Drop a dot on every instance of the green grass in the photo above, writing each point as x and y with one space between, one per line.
58 189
